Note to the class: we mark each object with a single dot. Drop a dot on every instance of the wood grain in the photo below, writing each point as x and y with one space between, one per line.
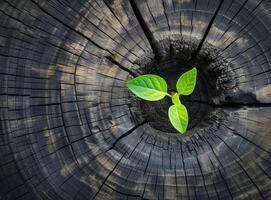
70 129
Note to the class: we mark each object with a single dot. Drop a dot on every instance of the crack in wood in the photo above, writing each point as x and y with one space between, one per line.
145 29
242 167
38 126
126 134
195 53
134 74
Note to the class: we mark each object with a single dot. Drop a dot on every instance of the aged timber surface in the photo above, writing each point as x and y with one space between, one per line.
70 129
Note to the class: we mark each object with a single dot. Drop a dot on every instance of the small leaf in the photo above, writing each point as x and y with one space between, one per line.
175 99
149 87
186 83
178 117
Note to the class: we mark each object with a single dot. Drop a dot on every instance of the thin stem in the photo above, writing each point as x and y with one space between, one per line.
176 99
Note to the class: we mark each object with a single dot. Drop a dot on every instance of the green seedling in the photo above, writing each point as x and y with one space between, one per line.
151 87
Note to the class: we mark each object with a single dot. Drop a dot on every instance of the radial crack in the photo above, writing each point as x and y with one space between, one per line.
195 53
111 172
120 66
239 161
145 29
126 134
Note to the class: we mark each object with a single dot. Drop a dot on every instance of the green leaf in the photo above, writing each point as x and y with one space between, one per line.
178 117
175 99
149 87
186 83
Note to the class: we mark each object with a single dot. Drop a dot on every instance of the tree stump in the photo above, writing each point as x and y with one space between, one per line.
70 129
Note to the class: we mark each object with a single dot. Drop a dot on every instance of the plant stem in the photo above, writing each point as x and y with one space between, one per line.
175 99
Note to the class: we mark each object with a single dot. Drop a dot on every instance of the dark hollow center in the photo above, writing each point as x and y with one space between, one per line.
156 113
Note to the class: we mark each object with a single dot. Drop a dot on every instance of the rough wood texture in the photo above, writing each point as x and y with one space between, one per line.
71 130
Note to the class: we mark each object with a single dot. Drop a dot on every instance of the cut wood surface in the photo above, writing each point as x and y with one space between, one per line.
70 129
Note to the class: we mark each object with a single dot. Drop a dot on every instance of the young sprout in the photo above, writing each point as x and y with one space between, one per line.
151 87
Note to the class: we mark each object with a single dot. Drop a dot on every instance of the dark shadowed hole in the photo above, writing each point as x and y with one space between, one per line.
197 103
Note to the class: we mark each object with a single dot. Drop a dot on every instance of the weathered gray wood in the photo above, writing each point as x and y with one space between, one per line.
70 129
